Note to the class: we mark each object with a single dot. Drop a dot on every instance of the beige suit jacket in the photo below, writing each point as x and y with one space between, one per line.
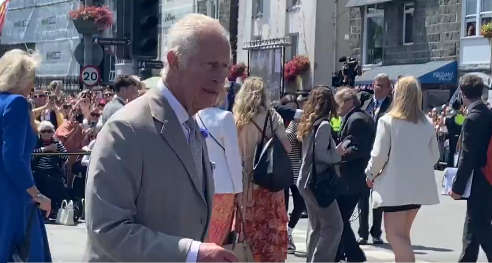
143 197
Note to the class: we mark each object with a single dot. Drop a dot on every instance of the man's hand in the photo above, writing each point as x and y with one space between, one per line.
454 195
210 252
341 149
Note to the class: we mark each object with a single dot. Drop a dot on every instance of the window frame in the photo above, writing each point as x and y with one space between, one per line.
405 12
476 18
258 8
368 15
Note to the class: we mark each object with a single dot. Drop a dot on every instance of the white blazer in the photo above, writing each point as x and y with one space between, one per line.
221 126
410 152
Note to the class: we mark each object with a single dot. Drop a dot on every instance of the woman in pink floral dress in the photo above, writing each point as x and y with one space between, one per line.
264 211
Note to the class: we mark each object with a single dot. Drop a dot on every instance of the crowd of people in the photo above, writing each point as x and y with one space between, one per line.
174 176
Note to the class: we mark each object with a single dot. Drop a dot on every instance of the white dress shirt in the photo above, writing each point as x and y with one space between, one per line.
228 171
182 116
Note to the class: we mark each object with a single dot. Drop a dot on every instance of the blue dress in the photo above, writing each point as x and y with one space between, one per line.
18 141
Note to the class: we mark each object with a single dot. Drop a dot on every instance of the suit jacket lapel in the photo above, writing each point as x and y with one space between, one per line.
383 108
173 134
207 173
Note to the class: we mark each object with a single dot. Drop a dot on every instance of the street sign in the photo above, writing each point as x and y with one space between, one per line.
112 41
97 54
151 64
90 76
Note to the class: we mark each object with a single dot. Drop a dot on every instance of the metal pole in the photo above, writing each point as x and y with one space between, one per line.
88 42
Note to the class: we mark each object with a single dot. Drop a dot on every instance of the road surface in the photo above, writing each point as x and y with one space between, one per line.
436 236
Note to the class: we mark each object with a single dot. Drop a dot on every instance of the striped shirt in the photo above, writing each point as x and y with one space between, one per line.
296 153
47 162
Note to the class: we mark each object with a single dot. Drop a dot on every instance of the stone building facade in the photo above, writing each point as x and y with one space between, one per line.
434 33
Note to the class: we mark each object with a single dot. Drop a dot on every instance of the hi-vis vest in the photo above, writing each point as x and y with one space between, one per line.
459 119
336 123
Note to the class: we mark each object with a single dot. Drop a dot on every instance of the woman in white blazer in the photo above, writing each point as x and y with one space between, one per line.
223 150
401 168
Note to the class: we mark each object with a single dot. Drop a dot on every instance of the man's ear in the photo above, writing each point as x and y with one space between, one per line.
173 59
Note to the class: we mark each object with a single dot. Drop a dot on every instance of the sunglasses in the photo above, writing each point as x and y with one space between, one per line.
101 105
47 131
66 107
95 114
107 94
39 96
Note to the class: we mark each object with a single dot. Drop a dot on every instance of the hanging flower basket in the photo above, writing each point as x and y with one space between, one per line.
238 71
486 30
92 19
296 67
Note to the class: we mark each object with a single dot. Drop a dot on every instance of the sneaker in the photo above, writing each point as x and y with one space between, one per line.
291 248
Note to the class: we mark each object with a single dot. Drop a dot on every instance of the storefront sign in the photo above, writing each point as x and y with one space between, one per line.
444 76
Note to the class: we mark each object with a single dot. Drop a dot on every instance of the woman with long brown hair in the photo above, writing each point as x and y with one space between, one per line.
326 223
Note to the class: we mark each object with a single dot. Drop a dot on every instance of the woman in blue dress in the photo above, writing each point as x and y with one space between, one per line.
18 192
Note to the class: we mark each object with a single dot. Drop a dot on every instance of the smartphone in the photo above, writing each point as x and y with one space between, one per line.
346 143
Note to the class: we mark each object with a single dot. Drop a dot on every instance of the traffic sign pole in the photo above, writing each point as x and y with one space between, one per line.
88 42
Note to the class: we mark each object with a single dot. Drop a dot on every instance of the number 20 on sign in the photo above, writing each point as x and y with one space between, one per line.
90 76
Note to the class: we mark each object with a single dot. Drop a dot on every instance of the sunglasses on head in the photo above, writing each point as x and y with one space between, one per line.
47 131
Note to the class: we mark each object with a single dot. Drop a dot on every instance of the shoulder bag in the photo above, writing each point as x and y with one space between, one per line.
23 249
323 185
272 168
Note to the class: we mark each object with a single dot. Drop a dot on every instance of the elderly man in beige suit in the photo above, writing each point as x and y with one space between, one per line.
150 187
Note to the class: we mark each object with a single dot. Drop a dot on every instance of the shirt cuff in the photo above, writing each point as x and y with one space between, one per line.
193 253
298 114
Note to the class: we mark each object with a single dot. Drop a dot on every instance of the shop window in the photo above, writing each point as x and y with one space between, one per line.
408 24
257 7
373 35
292 50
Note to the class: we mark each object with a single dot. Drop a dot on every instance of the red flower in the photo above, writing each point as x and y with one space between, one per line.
102 16
295 67
238 70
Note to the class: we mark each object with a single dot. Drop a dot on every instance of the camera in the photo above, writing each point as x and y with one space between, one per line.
346 76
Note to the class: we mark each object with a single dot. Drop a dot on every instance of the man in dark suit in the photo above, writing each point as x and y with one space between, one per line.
475 135
375 105
356 135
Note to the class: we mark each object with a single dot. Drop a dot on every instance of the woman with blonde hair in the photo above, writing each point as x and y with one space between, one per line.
314 130
401 168
18 134
223 150
264 211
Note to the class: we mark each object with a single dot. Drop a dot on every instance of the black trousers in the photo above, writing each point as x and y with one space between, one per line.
349 248
477 230
51 184
377 218
453 141
299 205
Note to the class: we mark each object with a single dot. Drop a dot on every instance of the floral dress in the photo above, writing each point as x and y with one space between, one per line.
265 216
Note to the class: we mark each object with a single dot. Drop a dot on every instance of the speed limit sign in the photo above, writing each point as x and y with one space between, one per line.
90 76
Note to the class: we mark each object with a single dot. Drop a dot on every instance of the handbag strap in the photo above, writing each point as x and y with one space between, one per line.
268 118
209 133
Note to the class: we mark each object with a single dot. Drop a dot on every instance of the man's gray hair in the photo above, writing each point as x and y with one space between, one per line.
183 36
45 125
382 76
345 94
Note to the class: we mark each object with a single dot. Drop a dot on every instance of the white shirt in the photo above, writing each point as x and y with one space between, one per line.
182 116
228 173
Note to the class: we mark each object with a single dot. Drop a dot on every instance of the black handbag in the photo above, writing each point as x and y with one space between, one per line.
323 185
22 250
272 167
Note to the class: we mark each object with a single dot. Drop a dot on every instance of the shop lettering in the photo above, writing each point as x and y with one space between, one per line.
169 17
443 76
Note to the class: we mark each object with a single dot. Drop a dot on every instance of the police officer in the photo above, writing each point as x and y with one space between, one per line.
336 126
453 123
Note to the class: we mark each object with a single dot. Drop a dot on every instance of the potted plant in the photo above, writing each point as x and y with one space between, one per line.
238 71
91 19
486 30
294 69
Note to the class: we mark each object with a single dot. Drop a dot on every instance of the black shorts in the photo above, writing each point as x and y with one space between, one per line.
399 208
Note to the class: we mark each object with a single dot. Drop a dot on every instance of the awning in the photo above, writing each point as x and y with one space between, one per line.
434 72
355 3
